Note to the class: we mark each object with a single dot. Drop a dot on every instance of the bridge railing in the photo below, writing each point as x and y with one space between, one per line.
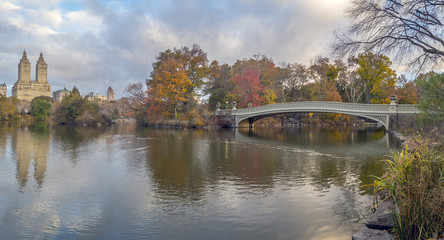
407 108
223 112
317 105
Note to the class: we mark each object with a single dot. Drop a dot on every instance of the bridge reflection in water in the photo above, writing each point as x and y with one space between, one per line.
347 139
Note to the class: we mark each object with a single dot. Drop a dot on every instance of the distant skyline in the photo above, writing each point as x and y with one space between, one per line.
94 44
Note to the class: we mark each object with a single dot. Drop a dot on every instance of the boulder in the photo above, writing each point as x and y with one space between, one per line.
382 219
372 234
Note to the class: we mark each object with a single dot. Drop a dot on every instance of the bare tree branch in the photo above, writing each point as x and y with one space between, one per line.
137 100
412 30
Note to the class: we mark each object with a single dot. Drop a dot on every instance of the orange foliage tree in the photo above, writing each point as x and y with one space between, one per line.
168 87
407 92
176 76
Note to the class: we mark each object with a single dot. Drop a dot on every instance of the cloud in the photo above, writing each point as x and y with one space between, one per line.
95 44
82 21
8 6
33 30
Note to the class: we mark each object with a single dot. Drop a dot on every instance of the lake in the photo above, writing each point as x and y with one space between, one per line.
129 182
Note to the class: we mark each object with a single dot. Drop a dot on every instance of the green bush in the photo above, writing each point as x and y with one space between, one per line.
40 109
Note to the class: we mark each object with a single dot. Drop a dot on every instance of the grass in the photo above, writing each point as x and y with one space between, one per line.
414 180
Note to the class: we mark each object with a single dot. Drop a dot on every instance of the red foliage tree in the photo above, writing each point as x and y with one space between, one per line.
247 88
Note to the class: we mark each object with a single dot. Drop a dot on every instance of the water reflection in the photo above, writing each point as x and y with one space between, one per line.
30 145
129 182
328 136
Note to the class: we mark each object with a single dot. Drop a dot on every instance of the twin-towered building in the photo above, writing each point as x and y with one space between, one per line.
27 89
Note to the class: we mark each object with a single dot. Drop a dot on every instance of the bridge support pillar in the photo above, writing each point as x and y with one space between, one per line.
246 123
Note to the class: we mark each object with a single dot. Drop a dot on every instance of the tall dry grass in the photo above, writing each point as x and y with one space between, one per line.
414 180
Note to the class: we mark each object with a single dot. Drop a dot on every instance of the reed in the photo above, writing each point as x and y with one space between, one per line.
414 180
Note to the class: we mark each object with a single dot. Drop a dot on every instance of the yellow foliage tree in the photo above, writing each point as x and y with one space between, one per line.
379 78
6 107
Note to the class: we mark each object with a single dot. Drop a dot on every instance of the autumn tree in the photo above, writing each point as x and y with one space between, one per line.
379 78
248 88
350 84
318 73
406 91
193 62
170 83
219 85
7 108
324 74
176 76
268 75
411 29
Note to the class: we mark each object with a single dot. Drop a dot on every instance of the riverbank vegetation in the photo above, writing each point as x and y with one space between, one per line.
414 177
74 110
414 181
411 31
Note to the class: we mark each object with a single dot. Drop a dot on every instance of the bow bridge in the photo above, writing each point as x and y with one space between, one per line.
389 115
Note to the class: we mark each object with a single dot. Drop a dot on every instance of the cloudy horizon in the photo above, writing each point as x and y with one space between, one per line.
94 44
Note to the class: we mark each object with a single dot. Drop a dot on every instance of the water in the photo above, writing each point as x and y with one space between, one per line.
125 182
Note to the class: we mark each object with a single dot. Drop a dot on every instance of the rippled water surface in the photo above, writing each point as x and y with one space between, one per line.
125 182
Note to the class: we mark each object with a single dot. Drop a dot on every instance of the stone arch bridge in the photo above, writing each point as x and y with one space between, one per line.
391 116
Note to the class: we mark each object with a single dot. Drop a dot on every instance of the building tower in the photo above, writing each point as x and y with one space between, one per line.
24 69
27 89
110 94
41 69
3 89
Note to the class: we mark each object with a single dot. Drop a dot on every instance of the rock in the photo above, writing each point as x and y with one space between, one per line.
372 234
382 219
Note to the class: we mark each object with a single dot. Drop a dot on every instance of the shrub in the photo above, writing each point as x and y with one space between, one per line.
40 108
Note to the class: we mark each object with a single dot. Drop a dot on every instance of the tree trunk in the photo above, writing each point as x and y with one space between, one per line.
368 95
175 112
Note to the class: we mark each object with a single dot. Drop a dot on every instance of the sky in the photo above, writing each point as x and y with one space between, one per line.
94 44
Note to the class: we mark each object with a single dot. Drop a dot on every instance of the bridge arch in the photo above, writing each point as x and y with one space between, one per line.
248 121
